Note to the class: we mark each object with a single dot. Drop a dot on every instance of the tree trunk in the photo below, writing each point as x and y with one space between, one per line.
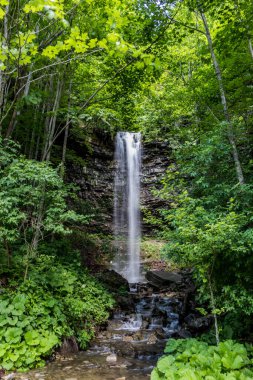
2 76
216 327
65 141
28 83
8 252
36 155
52 122
12 124
46 108
15 113
250 48
231 137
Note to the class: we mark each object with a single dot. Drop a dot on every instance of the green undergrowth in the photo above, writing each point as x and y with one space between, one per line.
190 359
151 249
152 252
55 302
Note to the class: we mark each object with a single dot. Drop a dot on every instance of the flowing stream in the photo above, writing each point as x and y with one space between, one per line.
127 205
128 348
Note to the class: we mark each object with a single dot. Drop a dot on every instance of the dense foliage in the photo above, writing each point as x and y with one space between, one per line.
58 301
46 296
190 359
178 71
200 103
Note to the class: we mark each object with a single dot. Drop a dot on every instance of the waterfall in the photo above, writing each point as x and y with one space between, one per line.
127 205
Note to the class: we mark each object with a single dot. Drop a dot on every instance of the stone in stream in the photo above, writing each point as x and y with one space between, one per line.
152 339
128 338
10 376
68 367
111 359
161 279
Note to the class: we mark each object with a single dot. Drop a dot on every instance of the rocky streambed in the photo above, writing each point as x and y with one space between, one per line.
135 336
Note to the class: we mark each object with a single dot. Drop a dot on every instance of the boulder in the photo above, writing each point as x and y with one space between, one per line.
111 359
184 334
197 324
162 279
152 339
112 280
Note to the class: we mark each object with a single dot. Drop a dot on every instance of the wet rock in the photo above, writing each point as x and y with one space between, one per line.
124 349
145 324
69 346
110 277
117 285
160 333
139 335
111 359
68 367
197 324
114 324
184 334
152 339
10 376
128 338
161 279
125 302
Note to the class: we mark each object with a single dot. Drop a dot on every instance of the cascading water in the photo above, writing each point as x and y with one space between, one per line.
127 205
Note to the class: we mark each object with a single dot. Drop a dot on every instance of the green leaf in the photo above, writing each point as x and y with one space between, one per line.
231 361
155 375
32 338
8 365
14 357
3 349
164 363
13 335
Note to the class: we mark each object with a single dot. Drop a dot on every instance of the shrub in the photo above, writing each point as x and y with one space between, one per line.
56 302
191 359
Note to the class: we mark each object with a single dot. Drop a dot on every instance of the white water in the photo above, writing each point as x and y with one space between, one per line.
127 205
132 324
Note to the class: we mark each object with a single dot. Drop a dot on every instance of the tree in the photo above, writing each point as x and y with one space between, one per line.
33 204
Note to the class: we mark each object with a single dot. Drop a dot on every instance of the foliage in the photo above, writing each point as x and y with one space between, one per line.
191 359
151 249
55 302
210 241
33 202
151 253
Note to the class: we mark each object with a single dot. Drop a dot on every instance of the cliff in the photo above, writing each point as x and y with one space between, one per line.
95 179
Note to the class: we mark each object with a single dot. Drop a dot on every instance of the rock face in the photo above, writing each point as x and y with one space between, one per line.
155 162
95 179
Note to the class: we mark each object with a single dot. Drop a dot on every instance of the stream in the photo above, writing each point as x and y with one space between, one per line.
128 348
